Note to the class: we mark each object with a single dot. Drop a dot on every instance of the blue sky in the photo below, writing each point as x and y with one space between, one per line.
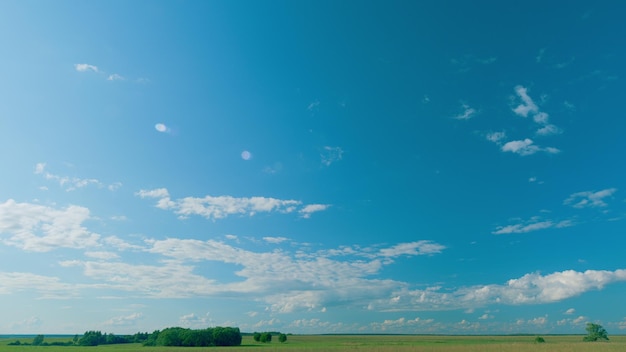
312 166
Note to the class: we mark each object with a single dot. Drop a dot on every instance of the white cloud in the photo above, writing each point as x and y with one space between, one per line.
114 186
314 105
412 248
526 147
467 113
548 130
85 68
589 199
533 224
496 137
73 183
39 168
529 289
275 240
223 206
331 155
38 228
115 77
124 320
527 106
194 321
104 255
153 193
570 311
47 287
309 209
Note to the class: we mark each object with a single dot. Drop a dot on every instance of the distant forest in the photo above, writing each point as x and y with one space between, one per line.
175 336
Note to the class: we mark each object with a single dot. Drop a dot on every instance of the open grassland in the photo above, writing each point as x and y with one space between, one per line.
371 343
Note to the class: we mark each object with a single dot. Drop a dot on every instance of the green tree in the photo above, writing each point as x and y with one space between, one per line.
266 337
282 338
38 340
257 336
595 332
539 339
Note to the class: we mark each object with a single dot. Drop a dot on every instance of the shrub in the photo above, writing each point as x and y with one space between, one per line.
539 339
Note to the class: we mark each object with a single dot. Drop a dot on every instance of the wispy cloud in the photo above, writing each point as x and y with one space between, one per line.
529 107
275 240
467 113
124 320
115 77
496 137
589 199
73 183
331 155
534 224
412 248
220 207
86 68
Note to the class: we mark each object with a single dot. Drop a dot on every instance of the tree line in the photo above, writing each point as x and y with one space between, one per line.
174 336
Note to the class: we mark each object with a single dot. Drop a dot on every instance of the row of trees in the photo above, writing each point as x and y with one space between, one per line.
266 337
217 336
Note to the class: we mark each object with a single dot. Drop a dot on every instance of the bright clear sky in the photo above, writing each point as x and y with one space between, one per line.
312 166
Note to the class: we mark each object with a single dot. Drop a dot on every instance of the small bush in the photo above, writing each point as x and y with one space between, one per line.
539 339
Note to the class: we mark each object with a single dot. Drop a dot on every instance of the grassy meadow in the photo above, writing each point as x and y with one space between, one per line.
371 343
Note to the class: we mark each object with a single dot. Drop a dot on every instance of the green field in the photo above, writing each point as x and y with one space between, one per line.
373 343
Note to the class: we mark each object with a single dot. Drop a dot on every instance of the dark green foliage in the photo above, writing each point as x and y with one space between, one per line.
226 336
266 337
38 340
595 332
176 336
539 339
92 338
15 343
282 338
257 336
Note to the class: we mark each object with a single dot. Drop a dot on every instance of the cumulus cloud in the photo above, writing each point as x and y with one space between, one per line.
532 288
85 68
39 228
589 199
526 147
220 207
527 105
